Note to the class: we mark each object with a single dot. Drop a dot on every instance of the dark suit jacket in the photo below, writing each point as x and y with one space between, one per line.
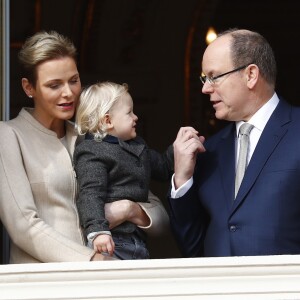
112 170
265 217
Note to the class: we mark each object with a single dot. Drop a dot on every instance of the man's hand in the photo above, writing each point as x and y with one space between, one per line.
186 147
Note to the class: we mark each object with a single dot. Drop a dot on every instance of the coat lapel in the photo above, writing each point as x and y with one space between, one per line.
227 157
133 147
270 138
71 137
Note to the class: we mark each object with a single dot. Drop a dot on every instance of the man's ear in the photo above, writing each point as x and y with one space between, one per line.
27 87
252 75
107 122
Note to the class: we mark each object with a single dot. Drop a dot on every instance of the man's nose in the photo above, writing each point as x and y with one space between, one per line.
207 88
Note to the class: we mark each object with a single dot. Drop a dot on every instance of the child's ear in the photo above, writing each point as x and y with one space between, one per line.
107 121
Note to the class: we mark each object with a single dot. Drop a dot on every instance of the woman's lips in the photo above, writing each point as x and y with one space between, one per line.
66 106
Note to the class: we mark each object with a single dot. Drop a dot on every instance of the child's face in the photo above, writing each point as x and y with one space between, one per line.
123 119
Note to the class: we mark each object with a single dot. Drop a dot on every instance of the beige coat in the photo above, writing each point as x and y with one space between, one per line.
38 191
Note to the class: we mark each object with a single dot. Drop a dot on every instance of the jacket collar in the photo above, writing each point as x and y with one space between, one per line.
134 146
71 134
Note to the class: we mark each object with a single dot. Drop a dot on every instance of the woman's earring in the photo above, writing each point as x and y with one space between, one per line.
30 96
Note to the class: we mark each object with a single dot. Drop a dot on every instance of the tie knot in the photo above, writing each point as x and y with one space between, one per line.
246 128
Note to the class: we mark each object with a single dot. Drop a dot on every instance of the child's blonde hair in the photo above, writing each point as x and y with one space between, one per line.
94 103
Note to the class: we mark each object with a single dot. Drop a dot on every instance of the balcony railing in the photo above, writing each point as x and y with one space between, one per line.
269 277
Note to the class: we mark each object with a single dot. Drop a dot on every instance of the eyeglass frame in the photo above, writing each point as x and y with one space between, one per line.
211 80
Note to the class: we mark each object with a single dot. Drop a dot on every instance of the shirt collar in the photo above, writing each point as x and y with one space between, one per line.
262 116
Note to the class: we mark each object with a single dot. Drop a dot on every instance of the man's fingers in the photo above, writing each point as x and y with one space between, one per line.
191 145
202 139
186 132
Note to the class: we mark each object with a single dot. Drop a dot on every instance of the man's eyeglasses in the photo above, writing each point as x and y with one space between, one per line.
212 80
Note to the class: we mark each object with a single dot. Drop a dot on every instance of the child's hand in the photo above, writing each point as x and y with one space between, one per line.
104 243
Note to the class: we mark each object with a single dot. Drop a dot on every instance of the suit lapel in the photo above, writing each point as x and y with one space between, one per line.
270 138
227 157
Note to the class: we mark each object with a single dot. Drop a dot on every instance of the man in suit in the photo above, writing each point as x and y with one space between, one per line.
264 216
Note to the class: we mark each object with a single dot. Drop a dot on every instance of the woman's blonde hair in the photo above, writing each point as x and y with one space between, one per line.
94 103
41 47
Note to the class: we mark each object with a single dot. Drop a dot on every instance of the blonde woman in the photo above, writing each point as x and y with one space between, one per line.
113 163
38 187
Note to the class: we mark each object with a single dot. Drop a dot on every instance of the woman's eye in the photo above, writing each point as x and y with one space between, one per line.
54 86
74 81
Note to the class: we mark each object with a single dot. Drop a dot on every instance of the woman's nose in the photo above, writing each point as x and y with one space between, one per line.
67 92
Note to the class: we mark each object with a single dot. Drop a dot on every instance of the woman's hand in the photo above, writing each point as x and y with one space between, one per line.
125 210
